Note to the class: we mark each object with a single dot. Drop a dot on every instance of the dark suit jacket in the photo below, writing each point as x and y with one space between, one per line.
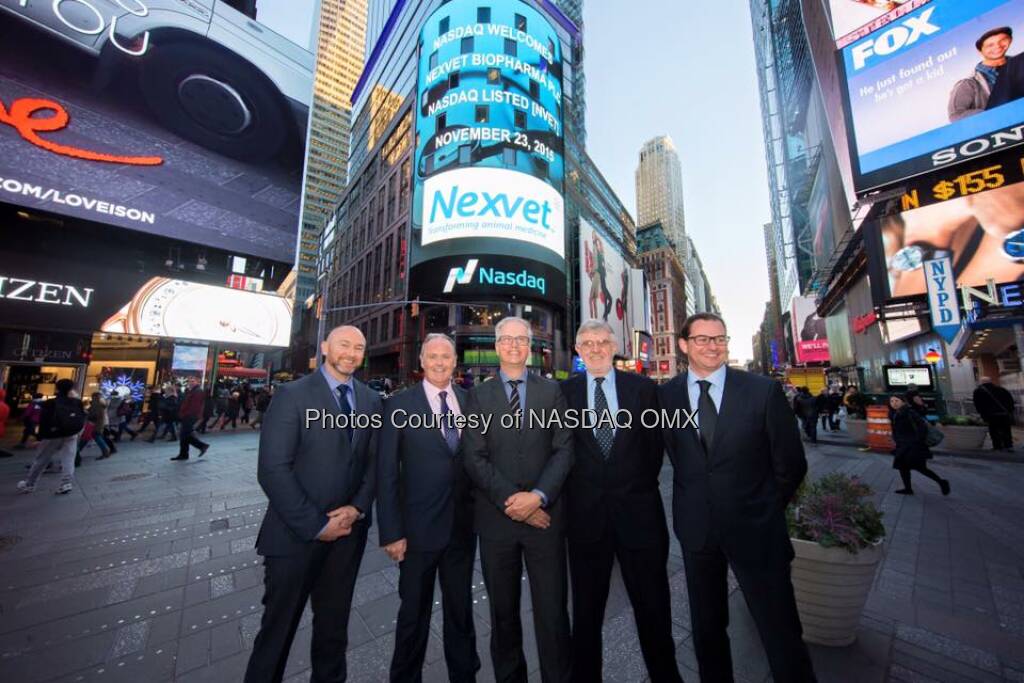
423 491
308 472
506 461
740 488
618 496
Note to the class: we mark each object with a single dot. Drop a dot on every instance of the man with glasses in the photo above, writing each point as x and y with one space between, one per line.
425 515
614 509
734 475
518 471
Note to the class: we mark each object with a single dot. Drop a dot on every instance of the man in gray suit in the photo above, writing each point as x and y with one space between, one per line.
316 465
518 471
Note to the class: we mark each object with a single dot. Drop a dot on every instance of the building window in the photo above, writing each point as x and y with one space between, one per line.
467 45
453 81
433 59
482 113
520 118
510 47
534 90
520 22
483 15
442 122
442 26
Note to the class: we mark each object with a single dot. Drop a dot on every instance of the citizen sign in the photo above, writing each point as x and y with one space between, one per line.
493 202
19 289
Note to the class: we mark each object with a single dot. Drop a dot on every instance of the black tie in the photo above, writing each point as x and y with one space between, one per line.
513 399
604 433
451 433
707 414
346 408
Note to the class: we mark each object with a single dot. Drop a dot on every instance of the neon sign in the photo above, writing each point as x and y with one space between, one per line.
21 117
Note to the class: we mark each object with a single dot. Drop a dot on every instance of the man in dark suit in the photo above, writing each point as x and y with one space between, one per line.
316 465
733 477
614 509
425 515
518 469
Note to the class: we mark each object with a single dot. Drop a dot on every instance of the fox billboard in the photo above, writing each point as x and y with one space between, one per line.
936 88
181 119
488 177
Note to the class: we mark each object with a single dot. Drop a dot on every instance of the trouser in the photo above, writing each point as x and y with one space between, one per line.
168 426
324 573
123 427
923 469
768 591
63 448
30 430
188 437
1000 429
811 427
502 562
645 574
106 446
453 566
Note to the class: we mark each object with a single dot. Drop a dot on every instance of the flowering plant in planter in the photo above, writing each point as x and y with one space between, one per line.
961 421
835 512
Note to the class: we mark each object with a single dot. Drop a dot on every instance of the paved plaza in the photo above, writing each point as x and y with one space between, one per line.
147 572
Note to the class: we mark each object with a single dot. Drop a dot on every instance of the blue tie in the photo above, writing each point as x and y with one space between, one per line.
346 407
451 434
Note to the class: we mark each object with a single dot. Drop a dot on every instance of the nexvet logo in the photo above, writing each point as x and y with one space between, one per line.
484 204
896 38
493 276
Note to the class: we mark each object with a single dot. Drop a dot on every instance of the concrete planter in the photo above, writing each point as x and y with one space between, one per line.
963 437
831 587
857 429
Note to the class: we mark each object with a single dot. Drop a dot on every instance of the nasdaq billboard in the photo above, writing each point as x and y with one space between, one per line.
938 87
489 163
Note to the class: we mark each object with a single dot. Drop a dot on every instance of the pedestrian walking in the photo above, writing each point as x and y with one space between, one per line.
996 407
246 402
190 412
807 408
231 414
910 431
96 415
262 405
30 420
113 401
62 418
125 414
822 400
151 415
169 412
208 409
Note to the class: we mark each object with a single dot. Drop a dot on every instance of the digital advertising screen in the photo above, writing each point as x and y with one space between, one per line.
182 119
852 19
488 176
607 284
810 333
981 234
188 357
901 377
938 87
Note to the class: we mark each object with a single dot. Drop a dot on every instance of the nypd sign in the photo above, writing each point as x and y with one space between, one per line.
493 202
941 282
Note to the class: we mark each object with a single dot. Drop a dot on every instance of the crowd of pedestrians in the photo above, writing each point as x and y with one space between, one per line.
65 426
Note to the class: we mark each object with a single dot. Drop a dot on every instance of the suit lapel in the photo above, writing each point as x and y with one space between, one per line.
684 399
730 404
626 401
578 401
364 399
424 408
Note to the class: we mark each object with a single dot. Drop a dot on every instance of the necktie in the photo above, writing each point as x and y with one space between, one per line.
451 434
513 399
604 433
707 414
346 407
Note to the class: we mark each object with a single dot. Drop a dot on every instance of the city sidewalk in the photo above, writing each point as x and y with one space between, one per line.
146 572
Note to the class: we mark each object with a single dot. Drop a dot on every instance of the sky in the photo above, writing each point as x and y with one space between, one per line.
686 69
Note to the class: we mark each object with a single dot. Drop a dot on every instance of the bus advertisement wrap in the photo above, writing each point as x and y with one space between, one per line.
488 166
181 119
938 87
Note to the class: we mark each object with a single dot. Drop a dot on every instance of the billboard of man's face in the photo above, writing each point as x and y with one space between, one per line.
994 48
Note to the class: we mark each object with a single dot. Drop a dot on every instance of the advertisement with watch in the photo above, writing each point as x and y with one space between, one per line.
983 235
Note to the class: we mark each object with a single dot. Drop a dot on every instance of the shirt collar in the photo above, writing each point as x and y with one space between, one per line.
609 379
433 392
717 378
334 383
505 378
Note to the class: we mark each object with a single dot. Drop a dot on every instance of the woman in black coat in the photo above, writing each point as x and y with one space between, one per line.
909 431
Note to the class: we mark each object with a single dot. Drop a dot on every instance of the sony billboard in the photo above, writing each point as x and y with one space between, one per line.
489 157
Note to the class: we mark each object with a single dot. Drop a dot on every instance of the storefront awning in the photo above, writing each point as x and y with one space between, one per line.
985 336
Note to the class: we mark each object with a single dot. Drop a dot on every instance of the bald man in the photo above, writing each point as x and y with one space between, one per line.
316 465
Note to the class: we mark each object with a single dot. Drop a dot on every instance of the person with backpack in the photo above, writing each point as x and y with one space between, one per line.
62 418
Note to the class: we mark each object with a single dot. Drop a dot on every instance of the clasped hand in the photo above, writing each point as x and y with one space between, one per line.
339 523
525 507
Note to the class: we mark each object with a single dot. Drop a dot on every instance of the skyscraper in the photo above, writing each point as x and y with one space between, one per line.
339 62
659 190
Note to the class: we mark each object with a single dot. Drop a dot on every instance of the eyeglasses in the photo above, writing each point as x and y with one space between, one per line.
590 344
704 340
506 340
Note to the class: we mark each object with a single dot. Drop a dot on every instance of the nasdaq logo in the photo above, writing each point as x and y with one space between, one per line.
498 205
508 278
462 276
896 38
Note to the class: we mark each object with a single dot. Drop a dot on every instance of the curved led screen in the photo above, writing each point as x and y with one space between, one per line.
489 167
